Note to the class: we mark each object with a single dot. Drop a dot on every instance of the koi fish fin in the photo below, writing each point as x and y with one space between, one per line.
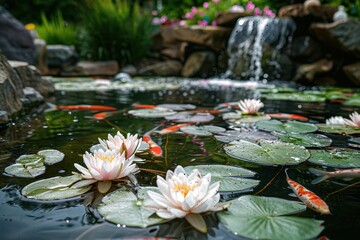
322 175
51 107
293 195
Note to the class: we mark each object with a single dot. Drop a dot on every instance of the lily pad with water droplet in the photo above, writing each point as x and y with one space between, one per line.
51 156
231 178
289 126
251 136
124 208
190 117
268 152
26 170
257 217
298 97
336 157
29 158
151 113
338 129
54 188
177 107
202 130
306 140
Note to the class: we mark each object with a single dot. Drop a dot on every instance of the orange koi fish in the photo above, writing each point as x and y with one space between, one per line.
143 106
310 199
287 116
346 173
103 115
173 128
85 108
154 149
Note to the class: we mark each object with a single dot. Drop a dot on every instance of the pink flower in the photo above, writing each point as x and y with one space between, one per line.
154 12
193 10
156 21
206 5
203 23
257 11
163 19
189 15
250 7
182 23
237 8
213 23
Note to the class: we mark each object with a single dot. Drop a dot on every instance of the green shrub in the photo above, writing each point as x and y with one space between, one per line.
116 30
57 31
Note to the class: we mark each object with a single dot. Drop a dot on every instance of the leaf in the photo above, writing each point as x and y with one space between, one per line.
298 97
306 140
338 128
354 101
230 177
29 158
177 107
151 113
191 117
289 126
336 157
206 130
251 136
122 207
28 170
54 188
268 153
263 218
51 156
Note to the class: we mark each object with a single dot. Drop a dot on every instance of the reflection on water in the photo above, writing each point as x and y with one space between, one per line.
74 132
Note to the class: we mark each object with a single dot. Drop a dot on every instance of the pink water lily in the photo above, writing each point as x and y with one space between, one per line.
183 196
354 120
103 167
335 120
129 145
250 106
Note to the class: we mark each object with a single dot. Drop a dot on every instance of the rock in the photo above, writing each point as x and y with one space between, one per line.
167 68
171 52
308 72
15 41
41 55
168 35
342 35
3 118
317 13
229 18
309 4
61 56
213 37
306 49
199 64
352 71
129 69
93 68
32 95
123 77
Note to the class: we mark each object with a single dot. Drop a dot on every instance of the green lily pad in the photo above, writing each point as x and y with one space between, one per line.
230 177
51 156
151 113
54 188
354 101
27 170
251 136
336 157
298 97
206 130
187 117
177 107
338 129
29 158
123 207
306 140
268 152
265 218
289 126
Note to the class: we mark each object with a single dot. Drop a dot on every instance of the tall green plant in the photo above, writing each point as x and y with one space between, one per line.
116 30
57 31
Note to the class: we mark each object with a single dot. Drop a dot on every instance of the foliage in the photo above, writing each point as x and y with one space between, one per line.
57 31
116 30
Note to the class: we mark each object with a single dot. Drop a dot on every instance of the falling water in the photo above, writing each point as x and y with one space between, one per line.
257 49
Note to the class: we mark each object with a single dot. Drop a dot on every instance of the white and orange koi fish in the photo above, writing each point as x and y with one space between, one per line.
173 128
323 175
154 149
310 199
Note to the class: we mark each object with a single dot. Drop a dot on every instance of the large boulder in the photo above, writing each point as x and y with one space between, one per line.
166 68
16 42
199 64
61 56
353 72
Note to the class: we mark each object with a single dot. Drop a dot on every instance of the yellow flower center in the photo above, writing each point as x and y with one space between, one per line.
184 188
107 158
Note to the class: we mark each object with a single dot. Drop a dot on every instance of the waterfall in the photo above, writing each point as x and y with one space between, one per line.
257 49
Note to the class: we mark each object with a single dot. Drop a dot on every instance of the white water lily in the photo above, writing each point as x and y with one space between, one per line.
183 196
335 120
103 167
129 145
354 120
250 106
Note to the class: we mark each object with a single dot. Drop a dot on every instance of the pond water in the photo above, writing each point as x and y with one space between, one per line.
74 132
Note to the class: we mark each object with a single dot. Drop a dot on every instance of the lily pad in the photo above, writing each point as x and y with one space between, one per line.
354 101
177 107
230 177
52 156
27 170
207 130
336 157
54 188
289 126
338 129
124 208
251 136
151 113
190 117
298 97
268 152
266 218
29 158
306 140
354 142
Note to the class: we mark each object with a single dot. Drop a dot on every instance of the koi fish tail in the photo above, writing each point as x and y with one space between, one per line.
322 175
50 107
